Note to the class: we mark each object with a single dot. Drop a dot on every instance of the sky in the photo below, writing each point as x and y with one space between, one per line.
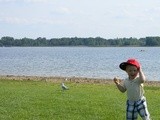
108 19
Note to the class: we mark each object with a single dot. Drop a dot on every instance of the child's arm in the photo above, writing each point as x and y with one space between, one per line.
141 76
119 86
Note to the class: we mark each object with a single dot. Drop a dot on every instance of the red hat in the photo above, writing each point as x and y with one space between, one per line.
129 62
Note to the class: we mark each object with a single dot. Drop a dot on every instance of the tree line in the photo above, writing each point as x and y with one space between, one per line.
75 41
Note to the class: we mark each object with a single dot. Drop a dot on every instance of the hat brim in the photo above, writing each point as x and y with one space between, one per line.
123 65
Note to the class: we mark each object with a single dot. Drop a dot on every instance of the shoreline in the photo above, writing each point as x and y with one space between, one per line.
59 79
56 79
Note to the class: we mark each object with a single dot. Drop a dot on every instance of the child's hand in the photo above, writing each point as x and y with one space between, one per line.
116 81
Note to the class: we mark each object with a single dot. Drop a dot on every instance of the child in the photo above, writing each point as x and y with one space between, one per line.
136 102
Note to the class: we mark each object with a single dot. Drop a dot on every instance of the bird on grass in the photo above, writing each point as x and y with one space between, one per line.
64 87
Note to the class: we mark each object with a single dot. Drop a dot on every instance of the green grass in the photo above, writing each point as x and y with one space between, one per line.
31 100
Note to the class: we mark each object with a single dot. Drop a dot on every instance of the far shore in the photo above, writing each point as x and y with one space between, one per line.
58 79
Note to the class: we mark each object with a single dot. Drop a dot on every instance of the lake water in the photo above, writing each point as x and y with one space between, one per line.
91 62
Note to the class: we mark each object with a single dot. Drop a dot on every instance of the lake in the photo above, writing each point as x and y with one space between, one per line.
91 62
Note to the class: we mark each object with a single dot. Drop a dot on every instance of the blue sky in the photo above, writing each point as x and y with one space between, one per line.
79 18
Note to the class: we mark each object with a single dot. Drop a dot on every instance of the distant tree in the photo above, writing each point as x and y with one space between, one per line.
142 42
17 42
152 41
100 41
7 41
75 41
1 44
53 42
40 42
27 42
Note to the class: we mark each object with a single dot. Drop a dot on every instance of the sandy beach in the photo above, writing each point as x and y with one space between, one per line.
58 79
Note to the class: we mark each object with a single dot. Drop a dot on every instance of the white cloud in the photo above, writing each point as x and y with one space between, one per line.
84 16
30 21
14 20
64 10
24 0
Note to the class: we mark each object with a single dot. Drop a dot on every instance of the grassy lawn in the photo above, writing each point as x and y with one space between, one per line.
39 100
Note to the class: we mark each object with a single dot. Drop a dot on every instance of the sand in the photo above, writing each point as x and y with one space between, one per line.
55 79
